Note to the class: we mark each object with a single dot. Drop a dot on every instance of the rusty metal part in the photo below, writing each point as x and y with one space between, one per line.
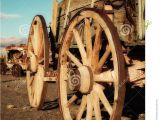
51 73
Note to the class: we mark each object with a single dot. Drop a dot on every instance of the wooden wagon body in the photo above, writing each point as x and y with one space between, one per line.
127 17
90 50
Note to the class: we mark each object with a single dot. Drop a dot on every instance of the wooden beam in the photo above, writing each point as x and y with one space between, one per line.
55 12
67 13
50 79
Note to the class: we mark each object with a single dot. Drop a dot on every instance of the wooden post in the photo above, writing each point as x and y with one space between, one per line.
67 12
55 10
141 23
143 19
92 3
109 7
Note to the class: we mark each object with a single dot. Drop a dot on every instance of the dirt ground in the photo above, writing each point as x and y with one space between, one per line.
15 104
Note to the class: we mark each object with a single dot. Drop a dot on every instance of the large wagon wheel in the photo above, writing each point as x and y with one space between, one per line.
38 63
97 78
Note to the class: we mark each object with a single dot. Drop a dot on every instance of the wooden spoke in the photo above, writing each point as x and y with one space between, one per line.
96 105
33 87
80 46
74 59
104 57
71 100
34 92
31 53
97 46
103 98
31 80
106 76
33 62
34 96
30 46
87 36
36 38
82 107
89 108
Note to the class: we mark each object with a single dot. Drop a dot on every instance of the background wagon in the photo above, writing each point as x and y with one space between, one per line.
92 49
14 60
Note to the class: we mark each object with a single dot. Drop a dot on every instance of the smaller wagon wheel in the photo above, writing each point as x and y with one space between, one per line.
38 61
95 74
3 68
17 70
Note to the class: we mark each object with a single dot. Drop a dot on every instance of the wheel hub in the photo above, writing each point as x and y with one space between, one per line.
81 79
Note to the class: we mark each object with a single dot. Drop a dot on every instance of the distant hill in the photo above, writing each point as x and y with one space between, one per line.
4 42
12 40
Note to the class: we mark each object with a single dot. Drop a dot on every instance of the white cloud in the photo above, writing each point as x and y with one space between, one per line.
8 16
12 40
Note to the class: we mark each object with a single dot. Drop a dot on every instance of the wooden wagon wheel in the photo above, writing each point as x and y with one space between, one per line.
17 70
97 78
3 68
38 54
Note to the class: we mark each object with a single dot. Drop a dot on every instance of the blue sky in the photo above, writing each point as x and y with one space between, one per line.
21 12
15 13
